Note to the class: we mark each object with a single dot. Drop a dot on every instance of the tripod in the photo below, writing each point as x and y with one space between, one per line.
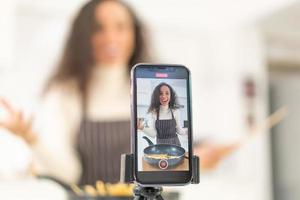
149 193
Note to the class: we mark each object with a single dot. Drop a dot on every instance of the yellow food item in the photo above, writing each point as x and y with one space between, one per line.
100 186
161 156
119 189
90 190
102 189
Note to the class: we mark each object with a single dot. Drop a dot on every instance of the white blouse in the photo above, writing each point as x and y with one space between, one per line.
164 114
58 120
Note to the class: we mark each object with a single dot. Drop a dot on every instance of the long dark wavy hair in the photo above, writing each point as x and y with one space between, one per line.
77 60
155 100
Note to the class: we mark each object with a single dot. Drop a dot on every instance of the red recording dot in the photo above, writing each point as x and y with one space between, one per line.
163 164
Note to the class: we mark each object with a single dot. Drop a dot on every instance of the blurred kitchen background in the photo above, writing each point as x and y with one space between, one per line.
245 63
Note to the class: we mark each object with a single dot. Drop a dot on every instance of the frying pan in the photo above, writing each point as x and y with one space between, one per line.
169 149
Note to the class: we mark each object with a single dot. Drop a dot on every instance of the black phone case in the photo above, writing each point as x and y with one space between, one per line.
134 175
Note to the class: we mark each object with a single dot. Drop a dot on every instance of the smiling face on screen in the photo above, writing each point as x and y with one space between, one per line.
165 95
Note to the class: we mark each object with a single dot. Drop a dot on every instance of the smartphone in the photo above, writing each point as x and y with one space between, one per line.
161 124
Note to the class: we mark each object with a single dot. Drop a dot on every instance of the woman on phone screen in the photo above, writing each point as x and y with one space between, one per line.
164 121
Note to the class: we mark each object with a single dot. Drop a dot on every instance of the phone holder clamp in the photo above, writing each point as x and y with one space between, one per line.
154 192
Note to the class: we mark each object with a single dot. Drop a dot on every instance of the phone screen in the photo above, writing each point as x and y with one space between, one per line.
163 122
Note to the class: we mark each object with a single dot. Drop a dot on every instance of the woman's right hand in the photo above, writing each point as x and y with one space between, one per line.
140 125
17 124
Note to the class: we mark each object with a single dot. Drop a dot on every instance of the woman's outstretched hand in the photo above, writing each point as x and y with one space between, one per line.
140 125
212 154
16 123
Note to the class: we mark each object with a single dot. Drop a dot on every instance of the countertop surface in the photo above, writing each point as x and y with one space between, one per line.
181 167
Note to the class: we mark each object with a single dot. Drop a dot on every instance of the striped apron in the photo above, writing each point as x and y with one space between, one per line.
166 130
100 145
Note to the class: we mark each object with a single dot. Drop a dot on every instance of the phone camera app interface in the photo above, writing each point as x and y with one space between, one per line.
162 123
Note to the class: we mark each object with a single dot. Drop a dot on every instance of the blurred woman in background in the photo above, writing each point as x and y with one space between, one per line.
84 123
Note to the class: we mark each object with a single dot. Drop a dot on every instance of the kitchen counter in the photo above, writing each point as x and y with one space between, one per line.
181 167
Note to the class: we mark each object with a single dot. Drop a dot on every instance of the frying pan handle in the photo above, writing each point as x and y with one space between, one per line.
148 140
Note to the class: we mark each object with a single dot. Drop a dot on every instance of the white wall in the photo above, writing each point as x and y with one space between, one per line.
7 22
